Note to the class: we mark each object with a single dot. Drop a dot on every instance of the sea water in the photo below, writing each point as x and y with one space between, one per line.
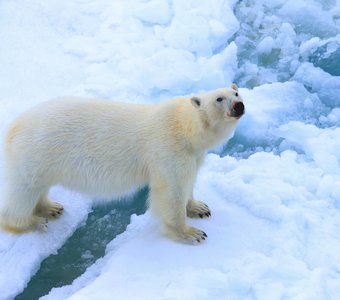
85 246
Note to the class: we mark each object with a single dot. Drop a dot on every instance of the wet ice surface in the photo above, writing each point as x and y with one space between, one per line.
275 195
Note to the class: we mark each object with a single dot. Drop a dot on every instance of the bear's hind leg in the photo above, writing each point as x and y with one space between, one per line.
198 209
48 209
16 211
33 223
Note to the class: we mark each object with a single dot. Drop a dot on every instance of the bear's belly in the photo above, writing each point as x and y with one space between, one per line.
104 184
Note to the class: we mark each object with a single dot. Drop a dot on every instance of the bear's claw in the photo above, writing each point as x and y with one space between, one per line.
198 209
194 236
42 226
189 235
39 224
50 210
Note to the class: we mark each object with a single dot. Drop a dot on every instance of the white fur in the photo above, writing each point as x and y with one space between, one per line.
105 148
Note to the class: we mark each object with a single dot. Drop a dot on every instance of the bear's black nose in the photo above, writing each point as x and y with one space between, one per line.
238 109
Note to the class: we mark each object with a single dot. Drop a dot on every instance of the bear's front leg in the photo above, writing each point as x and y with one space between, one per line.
195 208
168 201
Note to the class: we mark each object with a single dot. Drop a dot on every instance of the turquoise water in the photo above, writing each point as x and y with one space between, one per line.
329 62
86 245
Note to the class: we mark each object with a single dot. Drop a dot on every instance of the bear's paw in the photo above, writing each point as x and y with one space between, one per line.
198 209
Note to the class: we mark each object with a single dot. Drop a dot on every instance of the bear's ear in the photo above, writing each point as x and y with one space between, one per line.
196 102
234 87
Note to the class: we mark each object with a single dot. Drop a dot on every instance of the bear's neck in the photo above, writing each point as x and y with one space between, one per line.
210 137
198 132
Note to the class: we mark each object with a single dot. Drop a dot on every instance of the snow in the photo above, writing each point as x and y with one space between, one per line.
271 105
322 82
266 45
262 244
274 192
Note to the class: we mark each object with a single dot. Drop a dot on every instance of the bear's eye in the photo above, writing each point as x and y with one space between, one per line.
236 94
219 99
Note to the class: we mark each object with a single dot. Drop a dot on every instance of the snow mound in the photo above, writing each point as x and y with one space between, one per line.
271 105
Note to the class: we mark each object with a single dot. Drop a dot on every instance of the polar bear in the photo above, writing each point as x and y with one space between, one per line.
104 148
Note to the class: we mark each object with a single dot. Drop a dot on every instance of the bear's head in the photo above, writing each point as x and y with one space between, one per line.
220 106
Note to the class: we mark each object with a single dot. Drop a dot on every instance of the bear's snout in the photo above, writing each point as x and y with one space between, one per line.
237 109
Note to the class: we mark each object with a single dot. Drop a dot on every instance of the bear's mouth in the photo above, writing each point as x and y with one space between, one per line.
237 110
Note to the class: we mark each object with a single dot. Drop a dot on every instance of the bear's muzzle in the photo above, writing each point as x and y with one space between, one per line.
237 110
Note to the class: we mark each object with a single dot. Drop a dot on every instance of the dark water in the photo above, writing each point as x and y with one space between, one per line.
86 245
327 61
